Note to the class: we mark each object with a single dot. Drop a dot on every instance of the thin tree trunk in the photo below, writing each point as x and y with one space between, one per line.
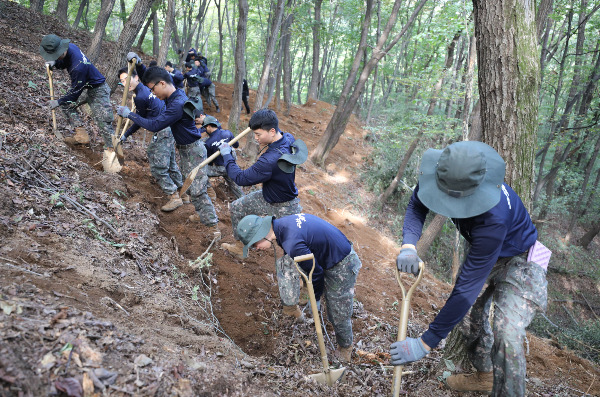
587 238
93 51
220 27
430 234
287 64
82 6
62 8
339 120
126 38
301 74
145 29
37 5
155 36
123 12
169 24
313 88
240 66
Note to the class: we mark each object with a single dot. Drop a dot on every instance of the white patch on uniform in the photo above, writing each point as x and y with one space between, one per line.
84 59
299 219
219 143
507 196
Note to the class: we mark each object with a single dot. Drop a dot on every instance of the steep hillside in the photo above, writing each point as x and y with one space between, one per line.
101 291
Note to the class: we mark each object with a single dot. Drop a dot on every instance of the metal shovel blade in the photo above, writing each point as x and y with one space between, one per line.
110 163
330 377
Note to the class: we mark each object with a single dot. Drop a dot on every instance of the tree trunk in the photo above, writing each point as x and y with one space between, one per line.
385 196
166 38
155 35
123 14
126 38
576 207
82 5
509 69
430 234
240 66
62 8
251 147
301 74
145 29
313 88
287 64
93 51
339 120
37 5
587 238
220 27
468 87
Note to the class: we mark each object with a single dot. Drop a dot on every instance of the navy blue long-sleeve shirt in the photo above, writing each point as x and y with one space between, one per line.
504 231
303 234
177 77
147 105
182 126
191 77
215 140
277 186
82 72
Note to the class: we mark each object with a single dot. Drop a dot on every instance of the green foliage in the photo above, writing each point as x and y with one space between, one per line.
89 223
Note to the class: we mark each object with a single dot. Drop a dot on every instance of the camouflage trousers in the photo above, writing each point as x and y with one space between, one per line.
193 92
219 170
192 155
339 296
516 290
209 94
163 166
254 203
99 100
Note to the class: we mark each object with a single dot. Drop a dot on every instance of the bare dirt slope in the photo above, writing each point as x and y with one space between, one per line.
103 294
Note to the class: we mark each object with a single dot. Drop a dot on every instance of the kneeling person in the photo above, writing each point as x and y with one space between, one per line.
336 263
161 150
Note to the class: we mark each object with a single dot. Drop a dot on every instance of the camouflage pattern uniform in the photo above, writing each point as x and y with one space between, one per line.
219 170
192 155
517 289
209 94
339 296
255 204
163 166
194 92
99 100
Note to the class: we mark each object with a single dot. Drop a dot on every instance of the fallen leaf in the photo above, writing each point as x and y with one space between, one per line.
142 360
48 360
71 386
88 385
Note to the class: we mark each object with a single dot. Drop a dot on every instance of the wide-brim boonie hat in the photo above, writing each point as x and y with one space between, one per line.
252 229
53 47
288 162
461 181
193 107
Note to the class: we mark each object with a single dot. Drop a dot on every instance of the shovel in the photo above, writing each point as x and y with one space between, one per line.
192 175
403 324
328 376
117 154
54 128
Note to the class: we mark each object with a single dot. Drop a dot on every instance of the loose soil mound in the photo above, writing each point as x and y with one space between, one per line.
100 290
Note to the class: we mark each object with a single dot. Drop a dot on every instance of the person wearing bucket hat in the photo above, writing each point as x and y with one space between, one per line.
187 139
465 182
278 196
85 79
216 136
336 262
161 149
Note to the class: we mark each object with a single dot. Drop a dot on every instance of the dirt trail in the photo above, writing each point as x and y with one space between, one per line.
138 298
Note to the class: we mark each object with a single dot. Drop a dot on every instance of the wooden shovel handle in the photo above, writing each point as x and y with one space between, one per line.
51 84
130 67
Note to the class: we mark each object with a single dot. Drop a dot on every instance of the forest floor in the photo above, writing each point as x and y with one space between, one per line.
103 294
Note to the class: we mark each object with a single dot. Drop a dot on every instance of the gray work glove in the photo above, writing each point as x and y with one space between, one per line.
225 149
407 351
408 261
132 55
51 64
123 111
53 104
